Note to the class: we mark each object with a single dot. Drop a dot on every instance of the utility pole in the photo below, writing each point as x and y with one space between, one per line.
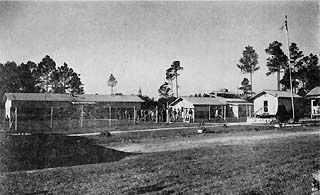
290 77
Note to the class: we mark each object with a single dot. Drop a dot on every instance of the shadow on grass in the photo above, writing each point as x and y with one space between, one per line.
40 151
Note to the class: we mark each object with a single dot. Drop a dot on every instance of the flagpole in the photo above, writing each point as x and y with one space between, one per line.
290 79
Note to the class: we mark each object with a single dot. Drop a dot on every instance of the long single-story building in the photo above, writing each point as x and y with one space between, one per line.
314 97
211 108
45 106
267 101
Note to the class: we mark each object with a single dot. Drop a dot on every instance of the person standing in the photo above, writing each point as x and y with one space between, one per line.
190 116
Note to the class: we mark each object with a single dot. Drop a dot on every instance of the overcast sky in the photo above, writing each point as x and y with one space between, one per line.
137 41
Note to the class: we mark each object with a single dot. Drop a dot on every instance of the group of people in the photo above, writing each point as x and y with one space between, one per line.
189 115
186 114
174 114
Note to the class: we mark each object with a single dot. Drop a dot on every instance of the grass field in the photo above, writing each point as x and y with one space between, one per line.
268 166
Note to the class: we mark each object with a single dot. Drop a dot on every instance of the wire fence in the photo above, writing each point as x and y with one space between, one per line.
26 119
88 117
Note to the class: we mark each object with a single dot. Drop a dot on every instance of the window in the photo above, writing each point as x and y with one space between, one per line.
265 106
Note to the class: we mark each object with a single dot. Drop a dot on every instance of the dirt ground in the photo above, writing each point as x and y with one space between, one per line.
174 144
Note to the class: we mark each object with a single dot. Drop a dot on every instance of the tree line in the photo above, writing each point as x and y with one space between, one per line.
42 77
305 70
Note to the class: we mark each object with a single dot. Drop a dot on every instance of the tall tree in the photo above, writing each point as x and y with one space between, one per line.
112 82
39 78
296 63
165 99
164 90
67 81
249 62
245 88
173 72
27 77
170 76
309 74
9 78
44 72
139 92
276 61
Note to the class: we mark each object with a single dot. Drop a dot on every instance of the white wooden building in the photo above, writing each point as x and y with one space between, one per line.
314 96
267 101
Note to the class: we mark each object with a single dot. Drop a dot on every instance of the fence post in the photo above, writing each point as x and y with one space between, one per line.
157 114
51 117
16 118
134 115
167 112
109 115
209 113
224 112
81 117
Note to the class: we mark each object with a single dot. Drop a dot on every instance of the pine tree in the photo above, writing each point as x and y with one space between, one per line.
112 82
249 62
276 61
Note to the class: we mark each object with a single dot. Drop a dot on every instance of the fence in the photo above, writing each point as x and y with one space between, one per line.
27 119
80 116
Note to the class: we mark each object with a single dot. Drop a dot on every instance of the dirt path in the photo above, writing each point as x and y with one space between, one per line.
158 145
159 129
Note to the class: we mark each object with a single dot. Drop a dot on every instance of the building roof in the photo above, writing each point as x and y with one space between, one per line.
69 98
315 92
233 100
276 93
110 98
200 101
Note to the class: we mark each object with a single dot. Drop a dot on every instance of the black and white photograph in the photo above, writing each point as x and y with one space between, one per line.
159 97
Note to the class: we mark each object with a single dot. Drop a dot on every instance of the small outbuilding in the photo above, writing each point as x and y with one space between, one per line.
237 108
314 97
199 108
266 102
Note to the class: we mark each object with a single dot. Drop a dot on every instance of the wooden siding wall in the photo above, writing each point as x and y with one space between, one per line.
272 104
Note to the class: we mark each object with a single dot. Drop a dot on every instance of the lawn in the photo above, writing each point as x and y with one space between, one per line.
40 151
277 166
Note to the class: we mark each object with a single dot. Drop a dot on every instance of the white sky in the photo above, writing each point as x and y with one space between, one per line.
137 41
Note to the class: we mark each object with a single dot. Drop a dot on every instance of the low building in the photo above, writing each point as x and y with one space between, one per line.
58 107
314 97
238 108
266 102
193 109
